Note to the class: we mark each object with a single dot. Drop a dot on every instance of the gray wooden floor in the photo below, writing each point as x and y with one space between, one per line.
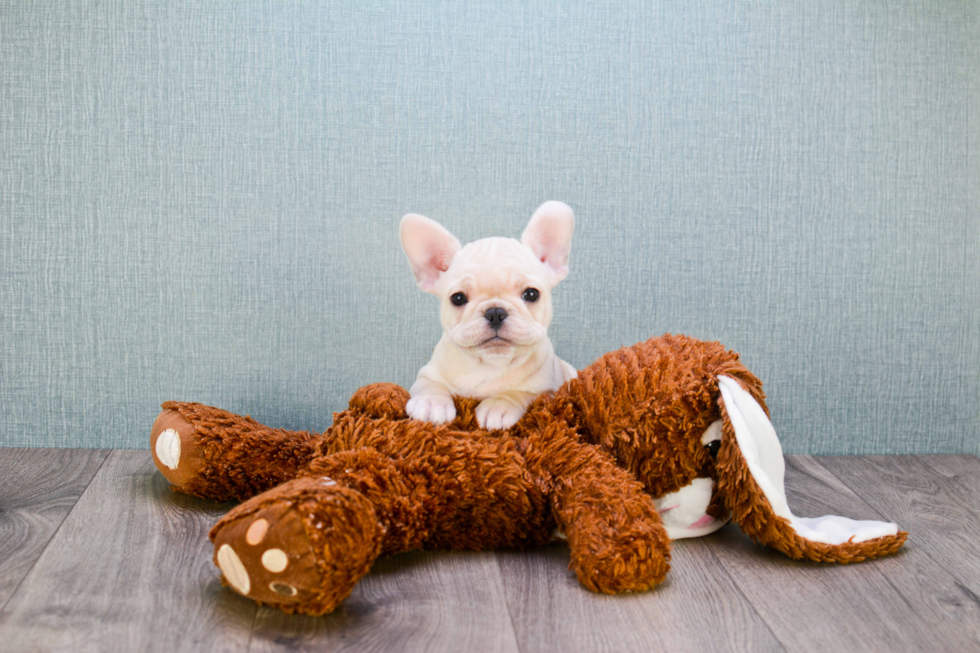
96 553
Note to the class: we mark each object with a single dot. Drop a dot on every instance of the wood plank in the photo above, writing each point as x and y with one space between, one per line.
698 607
965 468
420 601
129 570
903 602
934 498
38 488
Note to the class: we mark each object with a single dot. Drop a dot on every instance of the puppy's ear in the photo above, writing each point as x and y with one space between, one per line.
429 247
549 235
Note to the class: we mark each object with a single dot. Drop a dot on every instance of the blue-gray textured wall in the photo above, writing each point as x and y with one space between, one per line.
200 201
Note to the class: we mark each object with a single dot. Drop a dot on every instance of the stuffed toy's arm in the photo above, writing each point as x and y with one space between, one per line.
750 470
617 541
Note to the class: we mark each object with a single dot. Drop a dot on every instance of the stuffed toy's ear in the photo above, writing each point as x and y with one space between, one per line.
430 249
750 470
549 235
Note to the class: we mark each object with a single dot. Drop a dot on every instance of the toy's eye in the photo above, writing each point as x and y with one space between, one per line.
458 299
531 295
713 448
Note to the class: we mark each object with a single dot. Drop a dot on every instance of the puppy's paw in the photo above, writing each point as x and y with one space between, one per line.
438 409
498 413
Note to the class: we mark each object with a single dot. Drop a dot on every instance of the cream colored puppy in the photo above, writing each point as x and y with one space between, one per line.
495 312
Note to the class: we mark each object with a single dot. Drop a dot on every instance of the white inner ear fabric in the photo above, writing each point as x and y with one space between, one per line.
763 454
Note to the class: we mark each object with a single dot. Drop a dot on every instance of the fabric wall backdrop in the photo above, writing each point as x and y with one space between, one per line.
200 201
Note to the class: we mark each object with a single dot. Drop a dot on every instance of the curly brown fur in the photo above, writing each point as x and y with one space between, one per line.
356 504
752 512
614 532
233 457
458 496
649 404
590 459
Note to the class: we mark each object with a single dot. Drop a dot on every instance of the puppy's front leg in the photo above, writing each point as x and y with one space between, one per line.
502 411
431 402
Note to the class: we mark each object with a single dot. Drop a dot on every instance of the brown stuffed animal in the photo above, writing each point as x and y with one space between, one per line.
668 438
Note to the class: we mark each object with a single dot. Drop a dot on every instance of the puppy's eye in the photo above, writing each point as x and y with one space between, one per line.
458 299
531 295
713 448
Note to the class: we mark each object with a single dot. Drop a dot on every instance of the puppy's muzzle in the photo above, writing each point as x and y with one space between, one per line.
495 316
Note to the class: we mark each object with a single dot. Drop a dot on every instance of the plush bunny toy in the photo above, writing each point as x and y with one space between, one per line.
666 439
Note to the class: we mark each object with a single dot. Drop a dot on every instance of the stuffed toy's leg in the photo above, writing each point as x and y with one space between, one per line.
214 454
750 470
304 545
616 539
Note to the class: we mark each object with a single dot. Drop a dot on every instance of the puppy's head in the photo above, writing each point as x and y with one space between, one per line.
495 292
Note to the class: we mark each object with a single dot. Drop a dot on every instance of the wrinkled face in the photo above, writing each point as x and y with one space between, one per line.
496 292
496 298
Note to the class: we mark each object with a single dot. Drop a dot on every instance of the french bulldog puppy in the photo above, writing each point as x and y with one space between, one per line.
495 312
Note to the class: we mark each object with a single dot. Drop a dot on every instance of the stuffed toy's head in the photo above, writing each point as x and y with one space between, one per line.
690 421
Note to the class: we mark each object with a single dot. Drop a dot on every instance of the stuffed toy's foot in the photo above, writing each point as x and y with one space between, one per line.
750 476
301 547
214 454
176 448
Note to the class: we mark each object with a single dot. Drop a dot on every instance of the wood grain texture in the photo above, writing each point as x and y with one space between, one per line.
420 601
38 488
697 608
935 499
961 468
906 602
129 570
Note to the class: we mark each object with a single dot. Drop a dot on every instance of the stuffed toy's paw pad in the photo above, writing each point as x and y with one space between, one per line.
267 555
301 546
176 448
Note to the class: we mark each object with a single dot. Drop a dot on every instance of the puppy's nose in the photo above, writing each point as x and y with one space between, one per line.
495 316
